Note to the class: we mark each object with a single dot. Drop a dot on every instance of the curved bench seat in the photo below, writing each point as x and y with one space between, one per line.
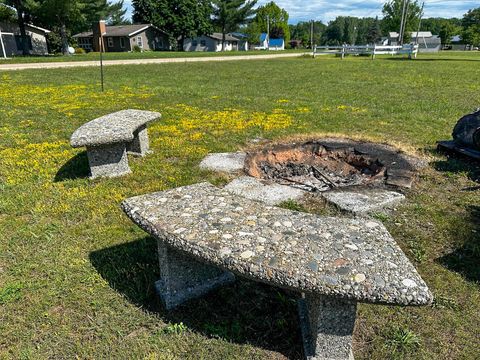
203 231
110 137
113 128
355 259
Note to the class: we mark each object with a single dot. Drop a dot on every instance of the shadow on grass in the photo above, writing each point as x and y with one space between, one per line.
458 164
243 312
429 60
75 168
466 259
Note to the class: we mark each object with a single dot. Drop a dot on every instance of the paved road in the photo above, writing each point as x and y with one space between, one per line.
56 65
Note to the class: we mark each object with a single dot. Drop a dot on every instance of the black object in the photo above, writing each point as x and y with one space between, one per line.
466 132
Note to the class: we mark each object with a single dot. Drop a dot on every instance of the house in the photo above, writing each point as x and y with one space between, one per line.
263 45
124 38
242 40
457 43
267 43
426 41
213 42
276 44
11 40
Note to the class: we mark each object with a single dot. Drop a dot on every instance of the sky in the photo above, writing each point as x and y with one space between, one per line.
326 10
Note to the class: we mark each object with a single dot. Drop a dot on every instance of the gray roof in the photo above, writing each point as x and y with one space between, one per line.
413 34
120 30
219 36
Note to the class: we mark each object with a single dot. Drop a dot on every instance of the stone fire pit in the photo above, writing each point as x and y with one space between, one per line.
357 177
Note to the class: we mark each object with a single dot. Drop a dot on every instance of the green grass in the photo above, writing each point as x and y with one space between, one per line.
93 56
76 276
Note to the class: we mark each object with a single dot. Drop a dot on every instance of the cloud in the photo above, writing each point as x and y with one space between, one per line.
326 10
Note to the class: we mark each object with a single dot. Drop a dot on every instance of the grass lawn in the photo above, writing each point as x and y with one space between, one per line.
76 276
93 56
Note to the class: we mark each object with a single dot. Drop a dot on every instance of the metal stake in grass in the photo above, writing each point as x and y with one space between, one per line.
101 62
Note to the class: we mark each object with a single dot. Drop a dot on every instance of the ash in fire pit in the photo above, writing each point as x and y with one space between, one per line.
326 165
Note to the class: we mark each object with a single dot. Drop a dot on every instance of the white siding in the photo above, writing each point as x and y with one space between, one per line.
206 43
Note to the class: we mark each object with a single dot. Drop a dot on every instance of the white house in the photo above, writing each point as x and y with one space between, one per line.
267 43
213 43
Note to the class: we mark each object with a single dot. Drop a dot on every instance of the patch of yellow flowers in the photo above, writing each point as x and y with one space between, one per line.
66 99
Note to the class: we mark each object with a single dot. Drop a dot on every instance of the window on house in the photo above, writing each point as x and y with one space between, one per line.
203 43
122 43
194 43
228 43
140 41
110 42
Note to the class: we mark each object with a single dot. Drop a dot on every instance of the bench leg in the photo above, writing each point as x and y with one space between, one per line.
108 161
140 144
183 278
327 327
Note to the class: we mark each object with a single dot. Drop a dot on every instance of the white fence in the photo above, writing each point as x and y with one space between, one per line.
373 50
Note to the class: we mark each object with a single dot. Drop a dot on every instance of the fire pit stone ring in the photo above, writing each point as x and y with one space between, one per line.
357 177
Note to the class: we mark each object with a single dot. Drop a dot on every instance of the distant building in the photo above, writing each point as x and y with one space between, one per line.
457 43
213 42
296 44
267 43
276 44
426 41
11 40
124 38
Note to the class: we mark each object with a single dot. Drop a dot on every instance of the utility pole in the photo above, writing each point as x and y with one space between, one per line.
268 32
311 34
400 34
419 23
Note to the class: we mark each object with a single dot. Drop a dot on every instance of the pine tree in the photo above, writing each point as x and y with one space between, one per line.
179 18
228 15
374 32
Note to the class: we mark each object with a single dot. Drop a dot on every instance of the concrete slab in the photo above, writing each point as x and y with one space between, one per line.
363 201
224 162
271 194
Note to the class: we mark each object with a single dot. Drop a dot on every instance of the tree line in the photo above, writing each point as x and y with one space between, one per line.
354 30
63 17
183 19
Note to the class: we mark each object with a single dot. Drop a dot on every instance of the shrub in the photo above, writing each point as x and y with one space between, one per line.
137 48
79 51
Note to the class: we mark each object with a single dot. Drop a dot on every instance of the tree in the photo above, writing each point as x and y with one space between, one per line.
115 14
392 16
271 17
23 11
179 18
63 14
228 15
112 12
374 32
435 25
447 31
471 27
302 31
7 13
65 17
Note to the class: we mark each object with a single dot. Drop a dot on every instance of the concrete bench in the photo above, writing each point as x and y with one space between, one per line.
206 234
110 137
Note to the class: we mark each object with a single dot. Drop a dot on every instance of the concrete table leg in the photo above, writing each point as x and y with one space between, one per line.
140 144
327 327
108 160
183 278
